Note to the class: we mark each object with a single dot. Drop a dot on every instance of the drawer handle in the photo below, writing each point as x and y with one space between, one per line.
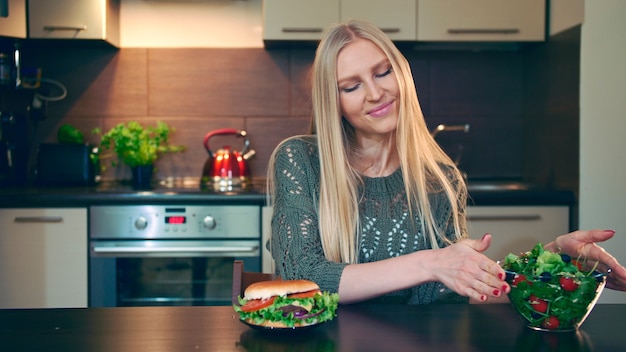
483 31
504 217
391 30
302 30
38 219
64 28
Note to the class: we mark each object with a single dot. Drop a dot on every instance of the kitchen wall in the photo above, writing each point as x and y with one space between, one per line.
603 126
202 84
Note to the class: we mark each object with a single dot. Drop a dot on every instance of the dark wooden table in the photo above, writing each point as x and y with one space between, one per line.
459 327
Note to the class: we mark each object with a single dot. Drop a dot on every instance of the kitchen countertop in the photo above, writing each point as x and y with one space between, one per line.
113 193
452 327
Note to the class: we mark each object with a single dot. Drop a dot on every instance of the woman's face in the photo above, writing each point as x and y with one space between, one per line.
368 90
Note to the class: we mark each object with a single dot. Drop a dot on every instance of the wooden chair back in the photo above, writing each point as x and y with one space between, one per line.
243 279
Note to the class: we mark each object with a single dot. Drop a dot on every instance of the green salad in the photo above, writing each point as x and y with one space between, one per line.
551 290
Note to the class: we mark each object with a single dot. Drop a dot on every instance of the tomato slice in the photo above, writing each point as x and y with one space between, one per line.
305 294
256 304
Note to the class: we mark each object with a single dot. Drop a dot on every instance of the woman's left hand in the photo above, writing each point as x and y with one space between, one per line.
583 244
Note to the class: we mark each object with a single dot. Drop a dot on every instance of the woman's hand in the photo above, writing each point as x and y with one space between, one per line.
583 244
467 271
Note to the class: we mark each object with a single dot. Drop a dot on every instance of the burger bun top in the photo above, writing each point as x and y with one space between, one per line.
267 289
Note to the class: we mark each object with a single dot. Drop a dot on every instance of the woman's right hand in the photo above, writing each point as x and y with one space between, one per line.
463 268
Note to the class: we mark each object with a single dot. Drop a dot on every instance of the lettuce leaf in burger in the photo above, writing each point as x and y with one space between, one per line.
286 304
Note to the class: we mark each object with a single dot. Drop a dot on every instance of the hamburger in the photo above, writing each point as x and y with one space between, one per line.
286 304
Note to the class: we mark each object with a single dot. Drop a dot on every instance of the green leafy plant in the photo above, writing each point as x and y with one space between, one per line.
136 145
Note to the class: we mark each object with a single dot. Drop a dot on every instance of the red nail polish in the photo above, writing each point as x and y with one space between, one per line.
483 297
496 292
504 288
500 276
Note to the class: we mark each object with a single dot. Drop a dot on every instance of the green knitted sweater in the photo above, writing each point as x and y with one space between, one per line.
387 230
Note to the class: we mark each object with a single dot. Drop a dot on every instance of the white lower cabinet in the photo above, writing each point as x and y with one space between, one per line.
43 258
266 232
516 229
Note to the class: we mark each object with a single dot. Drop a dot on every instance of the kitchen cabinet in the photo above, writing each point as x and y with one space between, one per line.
75 19
481 20
411 20
516 229
565 14
395 17
43 258
266 232
13 18
298 19
306 20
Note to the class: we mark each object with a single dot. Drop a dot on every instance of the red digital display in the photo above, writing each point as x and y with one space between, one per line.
174 220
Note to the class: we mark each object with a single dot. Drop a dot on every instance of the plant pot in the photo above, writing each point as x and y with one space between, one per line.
142 176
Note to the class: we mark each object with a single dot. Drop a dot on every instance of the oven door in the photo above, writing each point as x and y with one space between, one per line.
166 272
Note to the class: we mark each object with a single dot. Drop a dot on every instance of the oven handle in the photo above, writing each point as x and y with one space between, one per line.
121 251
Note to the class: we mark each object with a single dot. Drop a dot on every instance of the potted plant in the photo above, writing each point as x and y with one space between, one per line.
139 147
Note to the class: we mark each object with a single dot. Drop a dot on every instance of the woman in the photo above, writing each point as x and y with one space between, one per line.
370 206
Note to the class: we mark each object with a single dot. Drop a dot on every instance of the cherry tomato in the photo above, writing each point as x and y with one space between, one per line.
306 294
538 304
551 323
520 278
568 283
256 304
578 264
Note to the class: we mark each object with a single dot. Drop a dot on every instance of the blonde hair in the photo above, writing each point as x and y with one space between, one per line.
425 166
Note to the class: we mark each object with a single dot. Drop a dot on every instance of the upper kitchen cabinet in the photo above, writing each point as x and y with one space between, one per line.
394 17
13 18
298 19
75 19
481 20
565 14
306 20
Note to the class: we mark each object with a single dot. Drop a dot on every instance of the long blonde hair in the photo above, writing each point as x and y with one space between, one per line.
425 166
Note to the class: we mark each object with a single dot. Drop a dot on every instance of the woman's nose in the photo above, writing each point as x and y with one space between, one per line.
374 91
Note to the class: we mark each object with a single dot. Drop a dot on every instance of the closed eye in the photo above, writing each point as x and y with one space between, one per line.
351 89
387 72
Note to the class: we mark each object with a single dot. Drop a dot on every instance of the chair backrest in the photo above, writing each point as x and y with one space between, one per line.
243 279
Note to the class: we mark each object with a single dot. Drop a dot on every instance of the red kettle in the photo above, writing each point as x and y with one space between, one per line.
227 170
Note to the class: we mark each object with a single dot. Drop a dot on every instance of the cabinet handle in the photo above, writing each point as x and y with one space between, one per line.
302 30
390 30
64 28
38 219
531 217
483 31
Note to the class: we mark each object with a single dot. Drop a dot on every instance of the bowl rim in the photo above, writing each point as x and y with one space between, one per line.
594 274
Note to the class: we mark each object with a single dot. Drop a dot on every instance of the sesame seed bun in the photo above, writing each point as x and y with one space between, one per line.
267 289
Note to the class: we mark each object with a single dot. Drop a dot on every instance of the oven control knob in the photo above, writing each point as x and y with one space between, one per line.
141 223
209 222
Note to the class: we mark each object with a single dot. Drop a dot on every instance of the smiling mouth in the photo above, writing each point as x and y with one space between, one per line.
381 110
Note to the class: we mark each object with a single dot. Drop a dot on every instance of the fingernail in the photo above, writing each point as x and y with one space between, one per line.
483 297
504 288
501 276
496 293
613 231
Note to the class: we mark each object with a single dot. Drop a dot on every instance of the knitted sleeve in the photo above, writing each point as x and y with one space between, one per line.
295 242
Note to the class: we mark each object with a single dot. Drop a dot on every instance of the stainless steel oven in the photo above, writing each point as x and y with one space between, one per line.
169 255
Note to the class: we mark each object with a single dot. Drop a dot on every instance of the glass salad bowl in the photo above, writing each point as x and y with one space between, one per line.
552 291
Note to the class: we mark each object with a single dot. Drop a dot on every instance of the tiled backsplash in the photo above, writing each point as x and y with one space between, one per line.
266 93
